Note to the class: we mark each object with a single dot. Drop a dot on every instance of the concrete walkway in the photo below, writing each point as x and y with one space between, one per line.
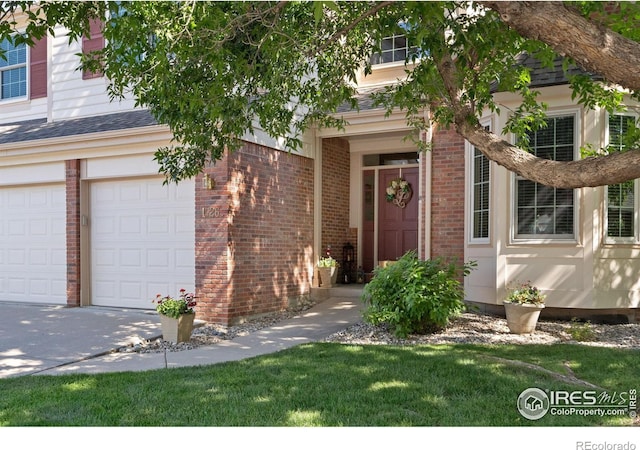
53 340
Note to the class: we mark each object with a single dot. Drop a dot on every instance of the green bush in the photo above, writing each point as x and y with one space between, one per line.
415 296
581 332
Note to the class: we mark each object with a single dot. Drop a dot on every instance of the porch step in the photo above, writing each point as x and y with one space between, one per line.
347 290
341 290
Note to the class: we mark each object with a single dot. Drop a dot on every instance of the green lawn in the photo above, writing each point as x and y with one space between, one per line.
328 385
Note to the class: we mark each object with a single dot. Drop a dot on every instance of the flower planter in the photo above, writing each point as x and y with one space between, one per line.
522 318
328 276
177 330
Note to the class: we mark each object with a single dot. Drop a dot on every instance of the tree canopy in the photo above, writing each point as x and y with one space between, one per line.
214 71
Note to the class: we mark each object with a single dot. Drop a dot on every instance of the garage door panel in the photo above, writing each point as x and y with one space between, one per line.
103 257
18 227
33 244
142 241
38 257
131 258
158 224
130 193
39 287
59 227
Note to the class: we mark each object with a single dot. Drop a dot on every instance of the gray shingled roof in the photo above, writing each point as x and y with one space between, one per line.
32 130
541 76
365 102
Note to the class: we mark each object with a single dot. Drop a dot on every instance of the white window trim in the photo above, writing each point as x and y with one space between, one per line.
27 65
549 239
395 63
486 122
636 198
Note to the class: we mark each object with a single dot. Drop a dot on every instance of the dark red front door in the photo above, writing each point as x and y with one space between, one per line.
397 227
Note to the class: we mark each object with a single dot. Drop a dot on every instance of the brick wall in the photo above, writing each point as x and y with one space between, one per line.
254 243
447 194
72 168
335 196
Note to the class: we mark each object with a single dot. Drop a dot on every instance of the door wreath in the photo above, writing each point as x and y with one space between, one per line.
399 192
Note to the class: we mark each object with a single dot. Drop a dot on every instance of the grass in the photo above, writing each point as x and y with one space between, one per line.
328 385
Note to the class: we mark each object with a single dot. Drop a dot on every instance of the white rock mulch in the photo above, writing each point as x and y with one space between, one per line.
472 328
468 328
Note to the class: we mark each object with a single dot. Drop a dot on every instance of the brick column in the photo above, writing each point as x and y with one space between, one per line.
73 231
212 230
447 194
336 185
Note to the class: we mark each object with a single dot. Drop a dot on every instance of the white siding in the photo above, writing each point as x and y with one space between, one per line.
72 96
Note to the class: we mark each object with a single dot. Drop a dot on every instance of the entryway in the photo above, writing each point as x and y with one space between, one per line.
390 229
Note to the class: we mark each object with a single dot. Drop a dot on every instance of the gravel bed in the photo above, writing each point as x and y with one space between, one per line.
471 328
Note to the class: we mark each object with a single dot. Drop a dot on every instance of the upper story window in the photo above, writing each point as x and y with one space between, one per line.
622 208
543 212
13 70
393 49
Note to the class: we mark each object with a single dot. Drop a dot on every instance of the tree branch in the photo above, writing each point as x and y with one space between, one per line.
594 48
352 25
589 172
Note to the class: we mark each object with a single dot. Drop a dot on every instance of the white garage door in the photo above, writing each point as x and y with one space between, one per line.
33 244
142 241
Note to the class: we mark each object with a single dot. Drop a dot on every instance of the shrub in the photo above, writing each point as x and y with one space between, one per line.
581 332
415 296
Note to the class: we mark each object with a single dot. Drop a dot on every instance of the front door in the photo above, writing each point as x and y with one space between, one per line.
393 231
397 224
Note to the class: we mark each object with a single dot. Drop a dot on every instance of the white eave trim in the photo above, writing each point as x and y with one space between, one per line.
370 121
88 141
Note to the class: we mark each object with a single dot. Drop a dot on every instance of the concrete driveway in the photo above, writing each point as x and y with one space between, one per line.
34 338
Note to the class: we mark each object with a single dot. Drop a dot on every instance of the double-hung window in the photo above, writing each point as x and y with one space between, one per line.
543 212
13 70
621 198
480 195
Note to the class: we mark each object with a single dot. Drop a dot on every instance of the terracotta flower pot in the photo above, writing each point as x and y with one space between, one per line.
522 318
177 330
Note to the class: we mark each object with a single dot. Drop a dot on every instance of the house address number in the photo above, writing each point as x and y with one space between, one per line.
213 212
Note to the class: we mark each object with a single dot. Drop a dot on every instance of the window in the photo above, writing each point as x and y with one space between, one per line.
542 211
621 203
480 182
13 70
390 159
393 49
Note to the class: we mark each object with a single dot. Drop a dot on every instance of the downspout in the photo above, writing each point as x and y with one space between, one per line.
424 197
317 208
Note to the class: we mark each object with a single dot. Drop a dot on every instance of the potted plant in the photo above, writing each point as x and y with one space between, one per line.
176 316
328 271
522 308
